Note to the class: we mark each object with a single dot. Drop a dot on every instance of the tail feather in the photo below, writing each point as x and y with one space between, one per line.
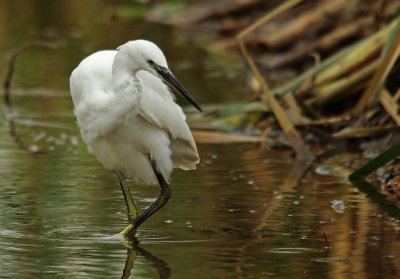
184 155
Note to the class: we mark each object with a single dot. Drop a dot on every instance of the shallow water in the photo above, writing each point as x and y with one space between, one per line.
234 217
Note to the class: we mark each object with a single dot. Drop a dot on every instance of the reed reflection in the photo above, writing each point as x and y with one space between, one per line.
9 112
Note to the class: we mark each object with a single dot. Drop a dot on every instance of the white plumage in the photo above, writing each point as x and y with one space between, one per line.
127 114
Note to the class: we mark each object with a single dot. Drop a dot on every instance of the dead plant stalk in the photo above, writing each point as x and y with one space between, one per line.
289 129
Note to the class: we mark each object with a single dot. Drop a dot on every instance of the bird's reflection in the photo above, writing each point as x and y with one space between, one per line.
134 250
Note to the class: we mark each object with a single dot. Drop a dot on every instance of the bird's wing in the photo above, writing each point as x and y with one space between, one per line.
98 110
158 107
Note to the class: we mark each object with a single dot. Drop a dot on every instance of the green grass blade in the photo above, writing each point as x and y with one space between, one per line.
376 163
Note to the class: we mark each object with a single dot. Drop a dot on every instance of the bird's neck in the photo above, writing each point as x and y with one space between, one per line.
126 83
125 79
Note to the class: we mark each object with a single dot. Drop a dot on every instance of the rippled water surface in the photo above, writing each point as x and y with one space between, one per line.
234 217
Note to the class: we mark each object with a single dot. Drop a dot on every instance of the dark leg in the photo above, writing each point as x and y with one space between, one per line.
130 205
162 199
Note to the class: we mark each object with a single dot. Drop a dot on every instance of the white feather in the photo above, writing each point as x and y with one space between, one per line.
126 113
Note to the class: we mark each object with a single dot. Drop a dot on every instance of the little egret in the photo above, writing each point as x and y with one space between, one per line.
129 119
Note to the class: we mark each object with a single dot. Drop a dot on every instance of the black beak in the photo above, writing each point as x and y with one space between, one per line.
169 79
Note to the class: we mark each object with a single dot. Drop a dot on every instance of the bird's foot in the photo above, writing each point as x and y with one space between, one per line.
129 232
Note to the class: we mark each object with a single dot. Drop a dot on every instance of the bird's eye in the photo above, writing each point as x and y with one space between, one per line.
151 62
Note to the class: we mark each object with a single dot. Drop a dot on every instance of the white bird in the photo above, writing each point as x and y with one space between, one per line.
129 119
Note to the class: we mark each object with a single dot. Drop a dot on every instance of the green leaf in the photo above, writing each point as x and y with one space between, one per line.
376 163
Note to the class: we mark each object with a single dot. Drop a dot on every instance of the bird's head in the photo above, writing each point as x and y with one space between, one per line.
147 56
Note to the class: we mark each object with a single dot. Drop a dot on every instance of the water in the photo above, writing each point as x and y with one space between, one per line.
234 217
